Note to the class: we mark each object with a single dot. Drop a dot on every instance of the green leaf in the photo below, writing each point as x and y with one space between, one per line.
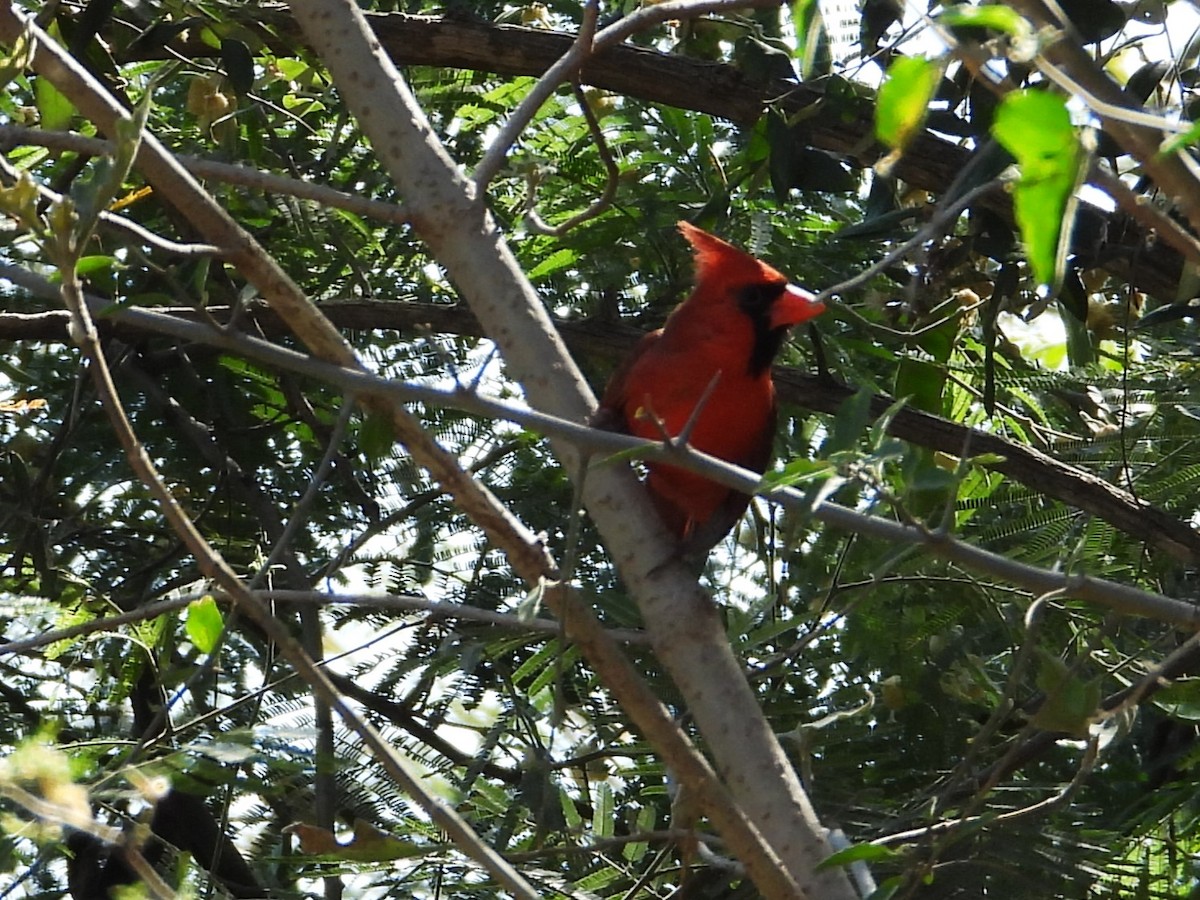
21 57
811 37
1070 702
997 18
20 201
376 437
904 99
559 259
1035 127
55 110
1181 699
850 423
798 471
921 383
888 888
570 811
879 429
646 818
90 264
858 853
602 813
204 624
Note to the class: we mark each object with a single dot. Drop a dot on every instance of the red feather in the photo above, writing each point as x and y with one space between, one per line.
729 328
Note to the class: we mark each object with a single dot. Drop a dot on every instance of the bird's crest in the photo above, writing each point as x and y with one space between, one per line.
719 264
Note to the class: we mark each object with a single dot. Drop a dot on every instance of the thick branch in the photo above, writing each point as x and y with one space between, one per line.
842 125
683 624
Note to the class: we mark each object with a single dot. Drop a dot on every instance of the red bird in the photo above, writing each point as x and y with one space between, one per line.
729 329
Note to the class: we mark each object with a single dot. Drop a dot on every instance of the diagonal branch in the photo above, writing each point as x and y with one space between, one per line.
834 124
519 119
526 553
90 97
683 624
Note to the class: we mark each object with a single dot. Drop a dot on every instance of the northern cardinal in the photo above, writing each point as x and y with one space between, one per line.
726 333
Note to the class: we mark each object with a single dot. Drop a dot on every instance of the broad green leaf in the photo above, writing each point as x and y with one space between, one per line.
857 853
91 264
55 110
798 471
1035 127
291 69
569 810
921 383
1181 699
850 423
204 623
997 18
20 57
811 37
368 845
560 259
904 99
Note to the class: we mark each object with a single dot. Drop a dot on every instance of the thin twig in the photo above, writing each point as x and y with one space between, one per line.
401 602
684 438
588 42
300 511
114 222
217 569
601 203
1043 806
927 232
227 173
527 555
1154 220
650 15
563 70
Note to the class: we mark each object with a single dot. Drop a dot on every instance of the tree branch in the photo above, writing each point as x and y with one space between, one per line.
609 342
841 126
684 627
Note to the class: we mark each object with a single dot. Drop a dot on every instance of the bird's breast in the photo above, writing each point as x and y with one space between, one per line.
731 421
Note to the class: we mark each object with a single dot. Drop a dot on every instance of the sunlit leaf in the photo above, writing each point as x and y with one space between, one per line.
993 16
1035 127
204 624
56 110
904 99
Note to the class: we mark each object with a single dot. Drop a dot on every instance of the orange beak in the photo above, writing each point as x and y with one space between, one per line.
794 305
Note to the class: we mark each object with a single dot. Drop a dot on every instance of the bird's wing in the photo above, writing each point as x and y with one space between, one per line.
610 415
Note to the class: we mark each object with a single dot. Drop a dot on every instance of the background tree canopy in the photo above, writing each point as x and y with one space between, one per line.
313 580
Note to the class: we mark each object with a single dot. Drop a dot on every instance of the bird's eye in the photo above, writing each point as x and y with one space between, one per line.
756 299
